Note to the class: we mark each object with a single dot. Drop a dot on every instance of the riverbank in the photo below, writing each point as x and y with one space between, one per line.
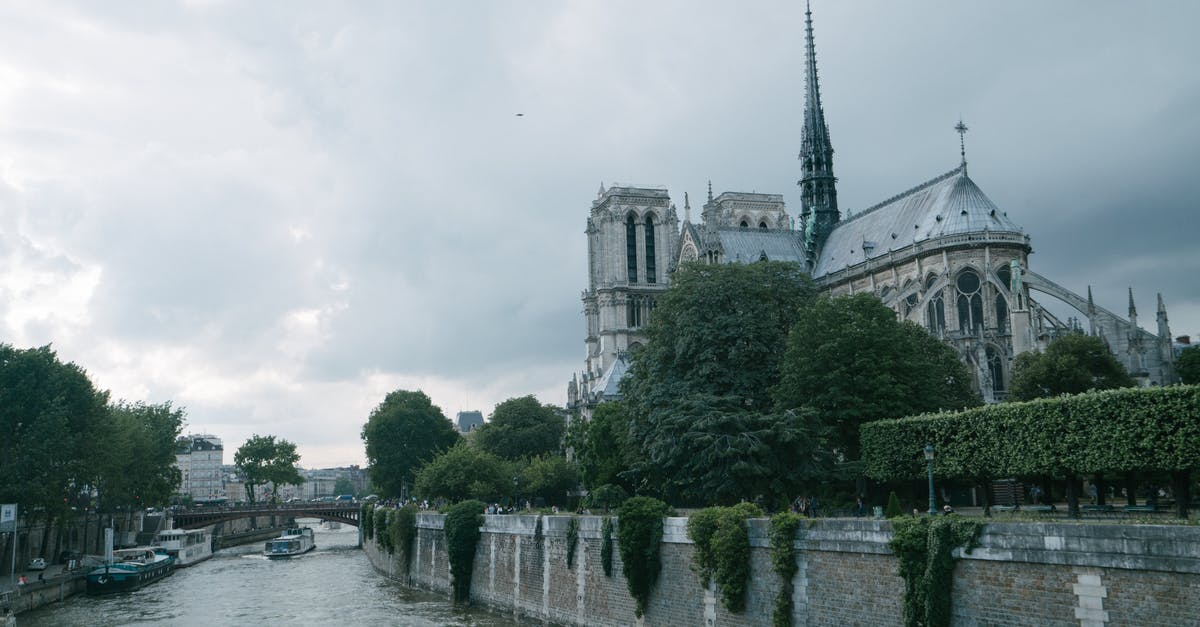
1021 573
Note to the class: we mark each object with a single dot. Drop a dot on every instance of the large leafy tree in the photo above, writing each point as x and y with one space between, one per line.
849 359
465 472
522 427
51 418
402 433
548 477
602 446
1188 366
711 449
263 459
139 465
719 330
1071 364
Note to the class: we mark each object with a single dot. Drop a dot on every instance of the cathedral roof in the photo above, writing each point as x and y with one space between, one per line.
746 245
948 205
607 387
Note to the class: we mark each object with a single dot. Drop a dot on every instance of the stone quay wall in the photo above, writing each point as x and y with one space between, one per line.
1023 573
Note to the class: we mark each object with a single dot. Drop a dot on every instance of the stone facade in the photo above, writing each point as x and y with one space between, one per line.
1022 574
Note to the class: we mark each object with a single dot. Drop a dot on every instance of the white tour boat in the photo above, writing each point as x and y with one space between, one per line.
293 541
187 546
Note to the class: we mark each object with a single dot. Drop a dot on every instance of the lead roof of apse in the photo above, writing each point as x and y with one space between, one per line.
747 245
948 205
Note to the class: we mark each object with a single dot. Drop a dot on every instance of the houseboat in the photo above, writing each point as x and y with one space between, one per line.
129 569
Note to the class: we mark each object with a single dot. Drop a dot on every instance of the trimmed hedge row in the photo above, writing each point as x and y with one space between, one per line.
1129 429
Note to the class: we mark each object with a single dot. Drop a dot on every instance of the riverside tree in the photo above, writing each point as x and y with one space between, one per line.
1188 366
263 459
851 361
697 393
402 433
138 467
522 427
1071 364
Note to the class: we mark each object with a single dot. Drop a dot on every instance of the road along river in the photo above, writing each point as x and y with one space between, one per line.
331 585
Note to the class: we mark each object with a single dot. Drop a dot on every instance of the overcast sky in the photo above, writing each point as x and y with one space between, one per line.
273 213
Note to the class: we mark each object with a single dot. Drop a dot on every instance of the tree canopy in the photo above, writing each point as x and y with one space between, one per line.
718 330
522 427
1188 366
1071 364
402 433
465 472
139 462
602 446
51 419
263 459
849 359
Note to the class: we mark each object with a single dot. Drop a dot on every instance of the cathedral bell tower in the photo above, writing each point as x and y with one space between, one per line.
818 186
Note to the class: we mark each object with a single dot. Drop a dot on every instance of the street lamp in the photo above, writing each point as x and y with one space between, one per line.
929 461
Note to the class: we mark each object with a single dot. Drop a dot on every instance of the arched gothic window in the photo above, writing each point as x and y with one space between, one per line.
762 225
910 303
1001 312
935 312
970 302
633 312
745 224
996 369
631 248
1005 275
650 269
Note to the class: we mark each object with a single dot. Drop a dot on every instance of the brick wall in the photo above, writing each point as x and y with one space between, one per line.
1023 573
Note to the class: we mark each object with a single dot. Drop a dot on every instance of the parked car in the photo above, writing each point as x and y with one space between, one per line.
37 563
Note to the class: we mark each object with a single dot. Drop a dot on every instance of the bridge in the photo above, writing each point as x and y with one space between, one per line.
197 517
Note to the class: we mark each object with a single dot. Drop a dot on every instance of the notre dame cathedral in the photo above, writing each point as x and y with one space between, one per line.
941 254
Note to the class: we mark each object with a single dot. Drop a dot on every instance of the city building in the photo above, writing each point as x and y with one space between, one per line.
467 420
199 458
941 254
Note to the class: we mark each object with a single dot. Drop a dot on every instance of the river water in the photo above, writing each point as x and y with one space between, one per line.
331 585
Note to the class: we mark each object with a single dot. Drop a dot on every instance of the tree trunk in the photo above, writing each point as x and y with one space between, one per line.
1130 488
1072 485
987 499
1101 488
1181 485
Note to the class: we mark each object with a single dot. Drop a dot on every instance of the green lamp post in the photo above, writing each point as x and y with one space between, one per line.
929 462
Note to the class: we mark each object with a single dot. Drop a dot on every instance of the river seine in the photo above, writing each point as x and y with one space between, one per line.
331 585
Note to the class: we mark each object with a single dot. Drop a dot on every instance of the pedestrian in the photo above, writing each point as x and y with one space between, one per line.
947 510
860 508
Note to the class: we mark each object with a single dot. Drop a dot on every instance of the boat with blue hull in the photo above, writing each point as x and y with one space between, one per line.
130 569
292 542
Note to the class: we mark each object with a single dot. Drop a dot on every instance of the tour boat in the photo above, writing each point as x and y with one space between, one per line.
187 546
293 541
129 569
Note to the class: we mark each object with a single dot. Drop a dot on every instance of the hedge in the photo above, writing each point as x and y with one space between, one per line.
1123 430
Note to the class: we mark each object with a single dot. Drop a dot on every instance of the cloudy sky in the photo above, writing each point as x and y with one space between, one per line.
273 213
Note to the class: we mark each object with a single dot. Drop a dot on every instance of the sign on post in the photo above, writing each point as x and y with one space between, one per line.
8 517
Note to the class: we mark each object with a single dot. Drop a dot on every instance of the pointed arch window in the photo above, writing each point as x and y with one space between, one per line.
762 225
910 303
1005 276
650 268
970 302
1001 312
631 248
935 311
996 369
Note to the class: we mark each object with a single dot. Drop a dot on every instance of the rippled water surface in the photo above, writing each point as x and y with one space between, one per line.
331 585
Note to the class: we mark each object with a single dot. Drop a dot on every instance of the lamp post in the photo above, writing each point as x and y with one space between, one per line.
929 462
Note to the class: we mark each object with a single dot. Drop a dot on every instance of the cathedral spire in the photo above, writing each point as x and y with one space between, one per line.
818 189
687 209
962 143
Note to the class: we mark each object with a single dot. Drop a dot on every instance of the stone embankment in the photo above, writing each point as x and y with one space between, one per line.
1023 573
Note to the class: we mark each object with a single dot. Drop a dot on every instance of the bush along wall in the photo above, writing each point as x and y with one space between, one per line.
572 539
366 517
462 535
1114 431
380 522
639 535
783 560
722 550
924 547
404 531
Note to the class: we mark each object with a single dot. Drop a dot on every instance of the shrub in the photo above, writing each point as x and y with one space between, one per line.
404 531
462 535
639 536
783 559
606 546
893 506
924 549
722 550
572 539
607 497
381 527
367 516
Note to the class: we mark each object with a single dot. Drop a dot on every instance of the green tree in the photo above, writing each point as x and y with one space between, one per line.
522 427
602 448
709 449
463 472
51 417
1072 364
718 330
853 362
343 485
1188 366
139 465
263 459
404 432
548 477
